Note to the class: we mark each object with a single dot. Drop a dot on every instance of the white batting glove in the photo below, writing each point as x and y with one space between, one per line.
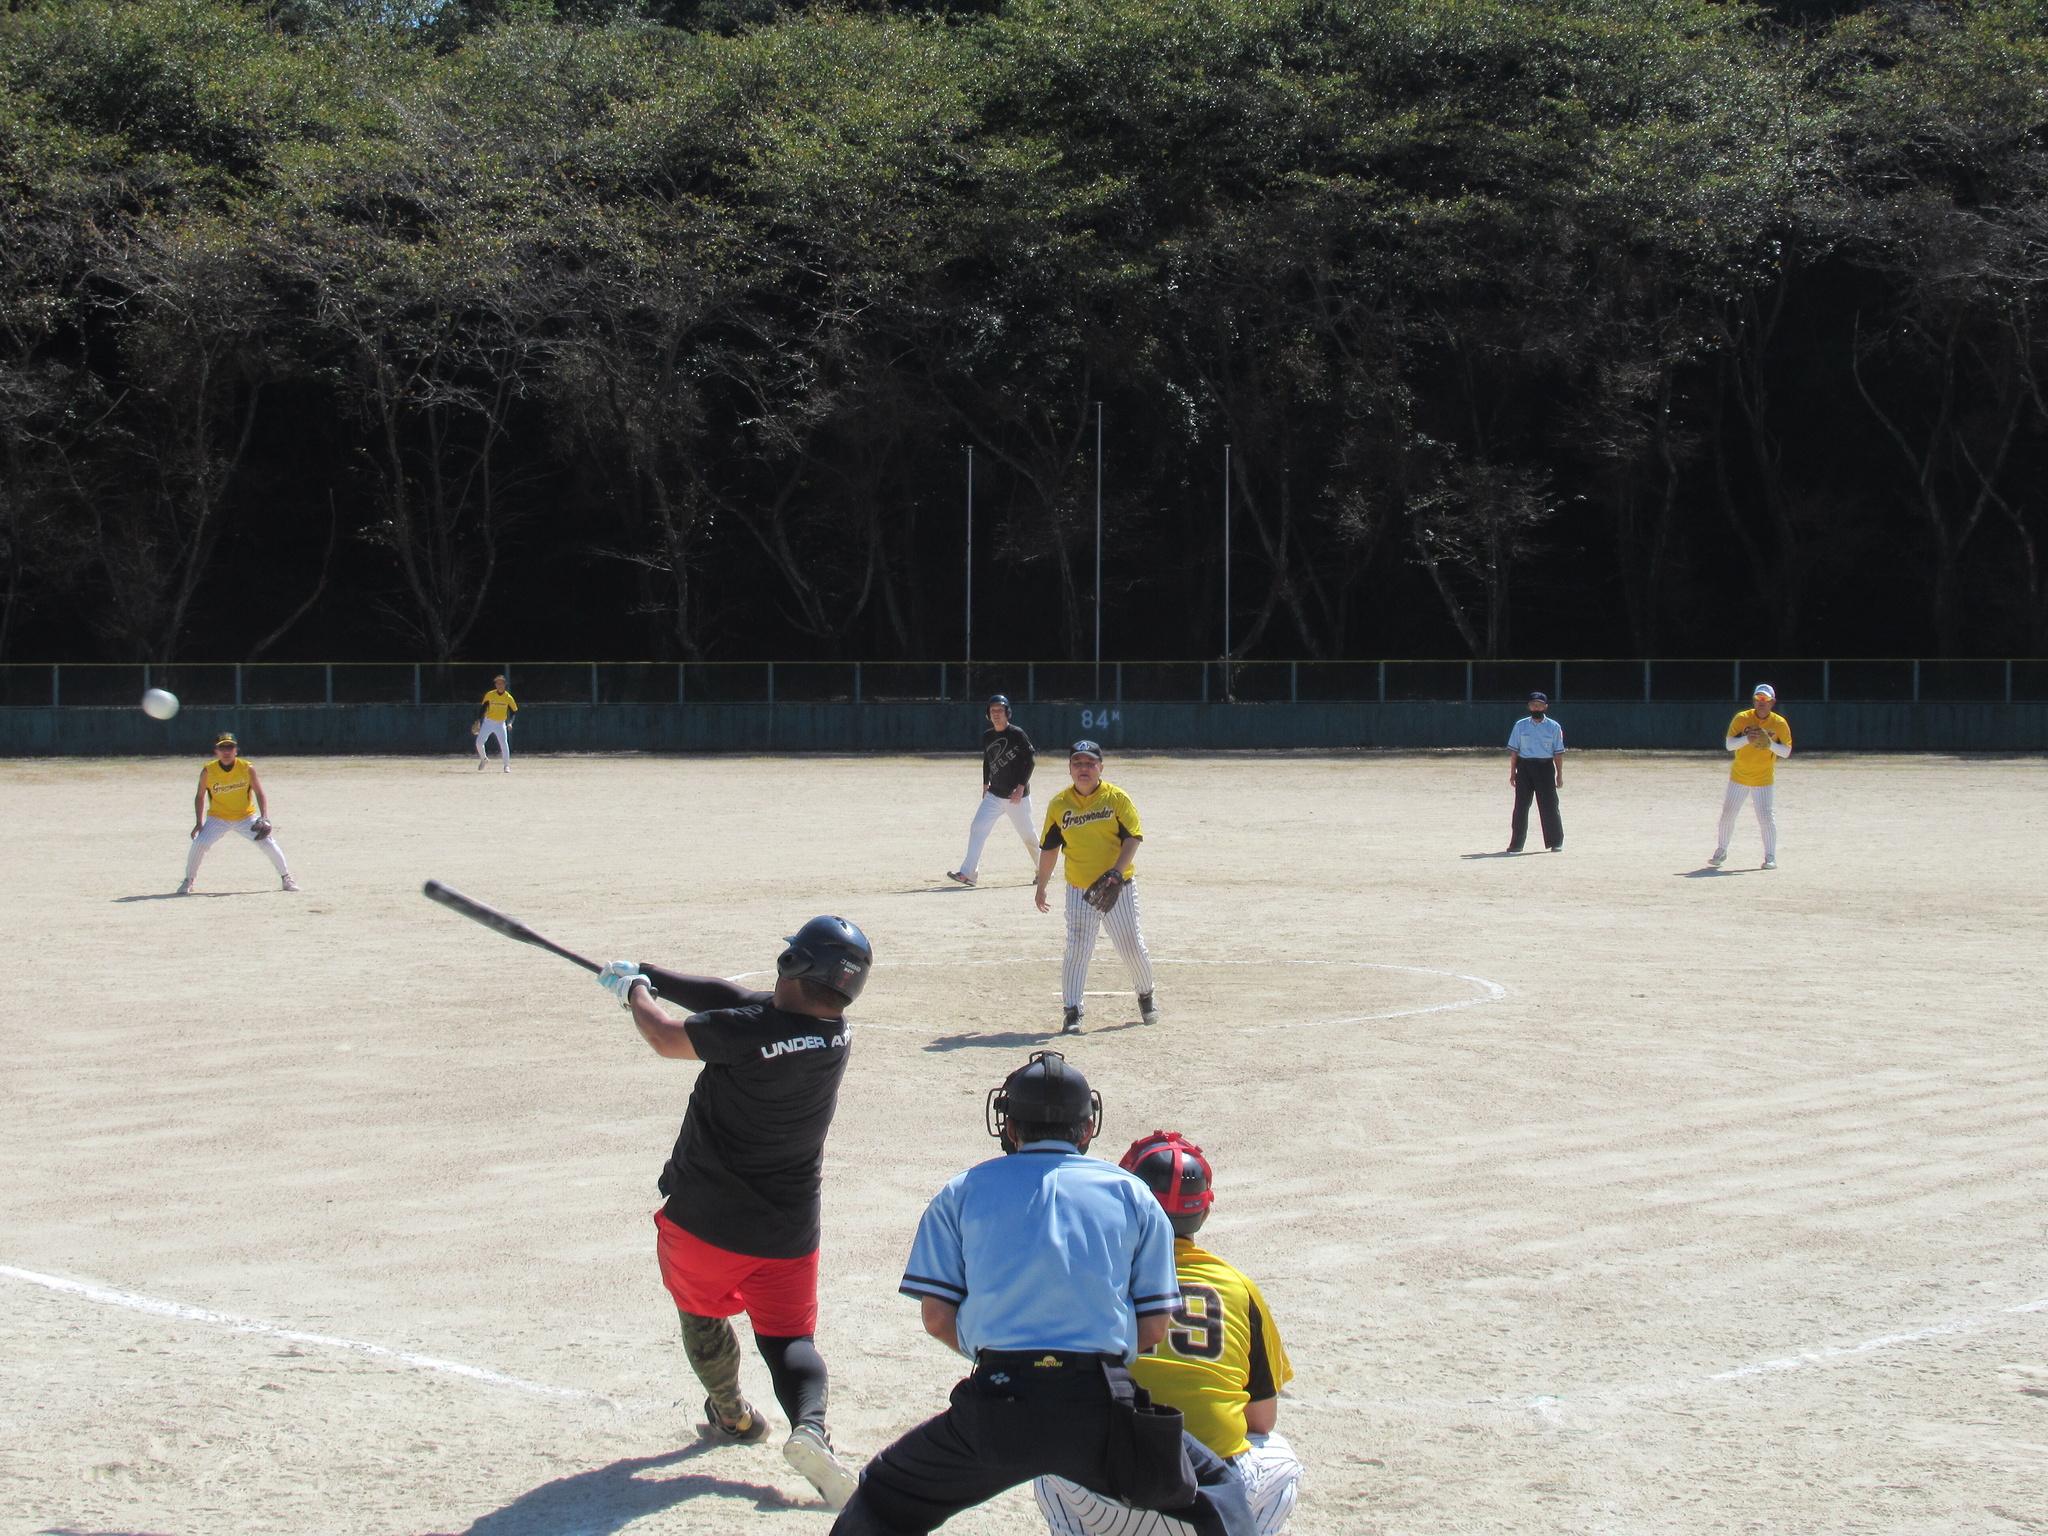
618 977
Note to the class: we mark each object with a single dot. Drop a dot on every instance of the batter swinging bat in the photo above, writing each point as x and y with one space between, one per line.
490 917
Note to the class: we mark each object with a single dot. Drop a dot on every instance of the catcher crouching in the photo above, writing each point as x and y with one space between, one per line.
1096 826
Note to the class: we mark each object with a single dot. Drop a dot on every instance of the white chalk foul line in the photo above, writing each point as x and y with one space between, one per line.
1548 1406
1489 991
156 1307
1886 1341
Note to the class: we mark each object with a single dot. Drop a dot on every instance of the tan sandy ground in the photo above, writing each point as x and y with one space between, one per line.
1715 1121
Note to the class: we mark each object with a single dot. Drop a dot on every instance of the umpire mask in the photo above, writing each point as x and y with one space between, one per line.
1045 1091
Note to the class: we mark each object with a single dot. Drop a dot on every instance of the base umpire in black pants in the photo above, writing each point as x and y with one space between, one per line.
1047 1269
1536 769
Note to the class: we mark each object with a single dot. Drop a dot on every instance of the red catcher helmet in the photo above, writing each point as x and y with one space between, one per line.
1175 1170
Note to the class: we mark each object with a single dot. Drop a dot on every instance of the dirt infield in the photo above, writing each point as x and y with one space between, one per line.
1594 1192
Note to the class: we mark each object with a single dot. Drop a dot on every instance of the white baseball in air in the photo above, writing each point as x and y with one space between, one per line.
159 704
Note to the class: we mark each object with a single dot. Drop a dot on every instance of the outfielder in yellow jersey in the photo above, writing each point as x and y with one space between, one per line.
221 806
1221 1364
1758 737
494 718
1097 827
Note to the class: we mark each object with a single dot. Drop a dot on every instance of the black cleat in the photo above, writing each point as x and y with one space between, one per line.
1148 1011
717 1429
1071 1024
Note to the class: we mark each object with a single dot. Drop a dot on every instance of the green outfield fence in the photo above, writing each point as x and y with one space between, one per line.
273 685
358 708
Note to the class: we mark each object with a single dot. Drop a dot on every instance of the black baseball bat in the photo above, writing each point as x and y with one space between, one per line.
492 918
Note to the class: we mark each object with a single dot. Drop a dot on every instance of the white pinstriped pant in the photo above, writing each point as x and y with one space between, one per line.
1270 1471
1083 923
214 829
1765 798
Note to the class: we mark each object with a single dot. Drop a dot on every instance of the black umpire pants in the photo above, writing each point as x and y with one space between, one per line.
1535 779
1016 1418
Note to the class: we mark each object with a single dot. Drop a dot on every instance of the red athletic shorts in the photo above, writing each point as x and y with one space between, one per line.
779 1296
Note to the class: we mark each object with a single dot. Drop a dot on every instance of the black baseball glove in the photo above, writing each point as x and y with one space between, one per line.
262 828
1103 894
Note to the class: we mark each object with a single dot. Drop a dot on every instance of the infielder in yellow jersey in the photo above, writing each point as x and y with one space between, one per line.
494 718
222 806
1758 737
1221 1364
1097 826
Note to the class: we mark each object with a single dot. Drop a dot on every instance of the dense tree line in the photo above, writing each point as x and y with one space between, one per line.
1627 327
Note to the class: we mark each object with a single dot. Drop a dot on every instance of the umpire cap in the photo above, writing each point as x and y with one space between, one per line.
1175 1170
1044 1091
831 952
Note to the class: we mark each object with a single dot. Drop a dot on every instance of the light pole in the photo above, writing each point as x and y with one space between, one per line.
969 657
1226 569
1098 549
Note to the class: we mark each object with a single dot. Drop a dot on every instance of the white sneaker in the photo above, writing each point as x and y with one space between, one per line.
1720 857
184 887
960 877
1771 863
290 884
810 1452
506 769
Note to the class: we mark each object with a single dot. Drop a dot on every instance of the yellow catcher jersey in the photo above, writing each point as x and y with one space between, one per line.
499 705
1221 1351
1757 766
1092 830
227 790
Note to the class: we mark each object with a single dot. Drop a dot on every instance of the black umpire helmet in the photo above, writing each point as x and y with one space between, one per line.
999 698
1175 1170
1044 1091
831 952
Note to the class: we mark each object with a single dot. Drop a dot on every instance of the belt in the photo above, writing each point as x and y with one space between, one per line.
1024 1361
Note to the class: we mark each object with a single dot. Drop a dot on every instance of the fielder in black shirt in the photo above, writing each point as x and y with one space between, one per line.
738 1230
1006 764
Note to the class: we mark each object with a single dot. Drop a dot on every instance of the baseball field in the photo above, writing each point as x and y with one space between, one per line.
1594 1192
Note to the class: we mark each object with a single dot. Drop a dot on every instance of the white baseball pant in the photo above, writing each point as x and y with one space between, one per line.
1764 796
986 814
1083 923
1270 1472
216 829
495 728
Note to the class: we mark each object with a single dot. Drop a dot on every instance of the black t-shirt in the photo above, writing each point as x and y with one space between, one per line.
1006 760
745 1172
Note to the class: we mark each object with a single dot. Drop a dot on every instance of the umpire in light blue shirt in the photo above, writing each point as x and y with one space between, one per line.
1536 769
1046 1268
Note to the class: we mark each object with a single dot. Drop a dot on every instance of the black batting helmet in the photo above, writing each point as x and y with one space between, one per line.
1044 1091
998 698
1175 1170
831 952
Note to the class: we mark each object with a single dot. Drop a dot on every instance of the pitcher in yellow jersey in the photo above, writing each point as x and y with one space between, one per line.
1758 737
494 718
1221 1364
1097 826
222 805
